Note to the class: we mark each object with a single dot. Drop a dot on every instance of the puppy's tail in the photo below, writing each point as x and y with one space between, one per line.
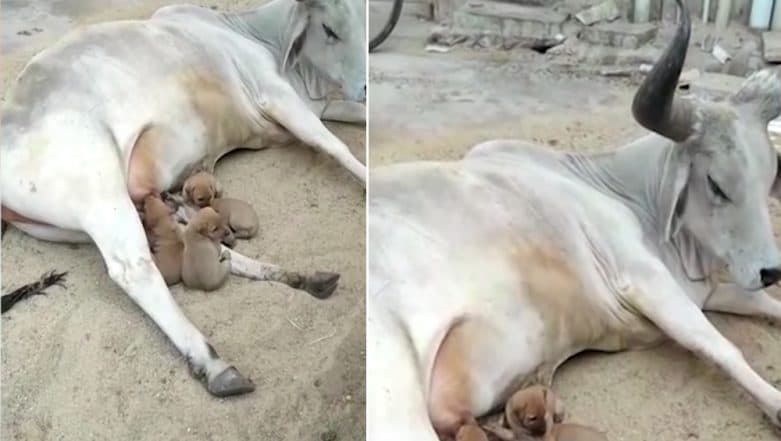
35 288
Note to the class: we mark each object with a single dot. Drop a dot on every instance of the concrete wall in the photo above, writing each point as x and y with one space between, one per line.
659 8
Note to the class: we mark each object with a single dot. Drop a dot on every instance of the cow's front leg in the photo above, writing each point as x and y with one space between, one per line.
733 299
664 302
287 109
344 111
319 284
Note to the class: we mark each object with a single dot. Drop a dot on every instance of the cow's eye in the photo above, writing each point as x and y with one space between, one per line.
717 191
330 32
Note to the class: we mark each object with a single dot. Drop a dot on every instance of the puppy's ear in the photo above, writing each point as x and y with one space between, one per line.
187 190
217 189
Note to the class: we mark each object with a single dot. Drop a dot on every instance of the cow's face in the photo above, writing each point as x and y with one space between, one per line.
723 167
733 171
334 42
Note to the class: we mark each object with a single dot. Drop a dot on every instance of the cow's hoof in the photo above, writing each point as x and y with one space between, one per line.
230 382
321 285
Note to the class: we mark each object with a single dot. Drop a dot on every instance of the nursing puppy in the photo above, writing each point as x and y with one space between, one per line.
200 189
164 240
239 215
204 265
533 411
471 432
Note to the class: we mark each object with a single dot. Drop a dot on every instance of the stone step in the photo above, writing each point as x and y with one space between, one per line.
772 43
716 85
619 34
514 21
508 20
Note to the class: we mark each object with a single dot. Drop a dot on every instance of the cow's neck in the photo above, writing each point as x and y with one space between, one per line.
640 175
270 25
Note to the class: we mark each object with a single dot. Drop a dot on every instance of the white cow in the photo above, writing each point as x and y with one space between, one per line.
118 110
487 273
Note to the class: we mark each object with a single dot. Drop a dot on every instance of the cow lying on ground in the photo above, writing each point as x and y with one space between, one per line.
116 111
552 253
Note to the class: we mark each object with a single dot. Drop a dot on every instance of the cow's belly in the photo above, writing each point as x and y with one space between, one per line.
501 293
518 335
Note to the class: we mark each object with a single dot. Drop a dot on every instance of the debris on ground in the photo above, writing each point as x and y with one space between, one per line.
720 53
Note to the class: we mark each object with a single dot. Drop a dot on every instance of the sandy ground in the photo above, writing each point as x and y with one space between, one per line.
85 363
444 104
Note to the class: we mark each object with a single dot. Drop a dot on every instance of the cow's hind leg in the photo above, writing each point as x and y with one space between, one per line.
395 394
123 245
94 198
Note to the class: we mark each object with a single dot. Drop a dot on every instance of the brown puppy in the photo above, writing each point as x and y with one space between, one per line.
240 216
575 432
164 240
204 265
200 189
533 411
470 432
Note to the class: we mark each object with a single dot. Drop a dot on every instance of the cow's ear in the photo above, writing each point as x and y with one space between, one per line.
295 42
674 197
761 93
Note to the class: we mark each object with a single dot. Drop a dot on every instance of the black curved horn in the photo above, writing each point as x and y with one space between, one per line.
655 106
388 28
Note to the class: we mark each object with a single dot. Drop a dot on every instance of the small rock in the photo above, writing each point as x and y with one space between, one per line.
328 436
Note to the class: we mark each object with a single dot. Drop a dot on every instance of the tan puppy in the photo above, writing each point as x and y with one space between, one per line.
240 216
164 240
533 411
204 265
471 432
200 189
575 432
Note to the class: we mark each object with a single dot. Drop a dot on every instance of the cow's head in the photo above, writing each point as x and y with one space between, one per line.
331 36
724 166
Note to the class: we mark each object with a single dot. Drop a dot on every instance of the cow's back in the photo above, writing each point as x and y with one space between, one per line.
127 74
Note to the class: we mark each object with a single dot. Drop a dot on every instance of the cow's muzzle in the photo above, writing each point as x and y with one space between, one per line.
770 276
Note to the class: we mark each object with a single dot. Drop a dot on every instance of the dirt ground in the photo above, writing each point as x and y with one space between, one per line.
445 103
85 364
